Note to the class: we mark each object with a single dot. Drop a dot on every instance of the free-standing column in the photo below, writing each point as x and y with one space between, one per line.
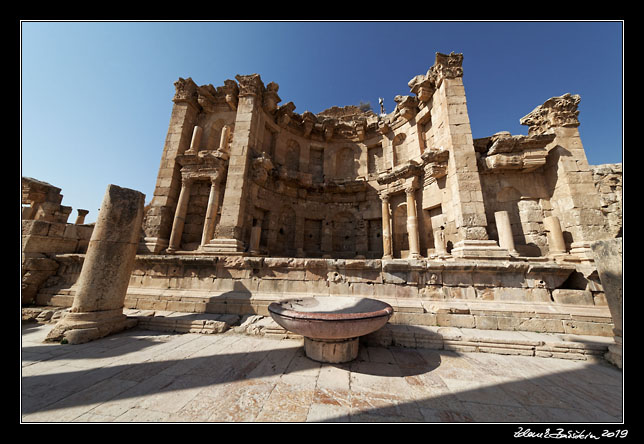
97 309
412 223
211 212
386 228
506 240
80 219
180 215
556 243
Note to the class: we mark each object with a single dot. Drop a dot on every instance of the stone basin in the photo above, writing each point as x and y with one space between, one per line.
331 325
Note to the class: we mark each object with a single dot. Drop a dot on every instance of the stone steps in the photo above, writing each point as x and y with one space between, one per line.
462 339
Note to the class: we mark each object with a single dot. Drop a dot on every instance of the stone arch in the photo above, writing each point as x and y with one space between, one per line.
344 234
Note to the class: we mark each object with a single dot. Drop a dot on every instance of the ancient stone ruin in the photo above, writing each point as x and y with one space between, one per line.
255 203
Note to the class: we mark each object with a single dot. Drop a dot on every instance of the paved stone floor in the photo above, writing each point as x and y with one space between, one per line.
141 376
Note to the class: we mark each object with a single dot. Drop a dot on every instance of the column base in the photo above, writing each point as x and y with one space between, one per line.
332 351
583 251
78 328
152 245
479 249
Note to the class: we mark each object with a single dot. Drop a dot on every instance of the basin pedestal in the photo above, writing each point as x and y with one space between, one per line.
331 325
332 351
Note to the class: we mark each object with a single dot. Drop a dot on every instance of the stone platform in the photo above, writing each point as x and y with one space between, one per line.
149 376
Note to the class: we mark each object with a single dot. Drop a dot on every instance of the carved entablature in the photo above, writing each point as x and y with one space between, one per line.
261 167
503 152
202 165
185 91
446 66
555 112
406 106
434 164
284 114
271 99
404 171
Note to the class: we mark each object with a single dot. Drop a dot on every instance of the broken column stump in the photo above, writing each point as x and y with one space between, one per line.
608 258
97 309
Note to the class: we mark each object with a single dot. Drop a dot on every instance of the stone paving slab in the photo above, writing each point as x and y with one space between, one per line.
147 376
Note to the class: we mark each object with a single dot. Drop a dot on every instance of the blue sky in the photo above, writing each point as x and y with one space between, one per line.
96 96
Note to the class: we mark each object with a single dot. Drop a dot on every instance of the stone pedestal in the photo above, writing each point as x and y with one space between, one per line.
608 258
479 249
333 351
97 309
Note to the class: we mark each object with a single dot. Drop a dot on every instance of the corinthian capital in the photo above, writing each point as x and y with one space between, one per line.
556 112
186 90
446 67
250 85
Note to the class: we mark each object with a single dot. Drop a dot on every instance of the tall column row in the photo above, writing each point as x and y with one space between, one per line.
182 208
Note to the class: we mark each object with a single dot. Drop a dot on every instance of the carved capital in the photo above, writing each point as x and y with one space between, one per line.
556 112
250 85
185 91
446 67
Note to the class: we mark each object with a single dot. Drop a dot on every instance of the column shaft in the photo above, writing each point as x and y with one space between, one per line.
504 229
211 213
386 229
412 224
179 216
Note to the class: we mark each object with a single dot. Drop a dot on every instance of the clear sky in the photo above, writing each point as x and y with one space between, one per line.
96 97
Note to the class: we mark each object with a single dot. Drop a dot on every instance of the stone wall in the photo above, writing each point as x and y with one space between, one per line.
496 295
608 183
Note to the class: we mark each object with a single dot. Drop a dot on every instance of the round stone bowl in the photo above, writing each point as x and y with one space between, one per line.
331 325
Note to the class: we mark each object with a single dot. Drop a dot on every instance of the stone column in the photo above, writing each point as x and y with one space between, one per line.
180 215
504 229
80 219
412 223
97 309
196 138
439 242
608 258
387 252
211 212
223 140
556 243
255 236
